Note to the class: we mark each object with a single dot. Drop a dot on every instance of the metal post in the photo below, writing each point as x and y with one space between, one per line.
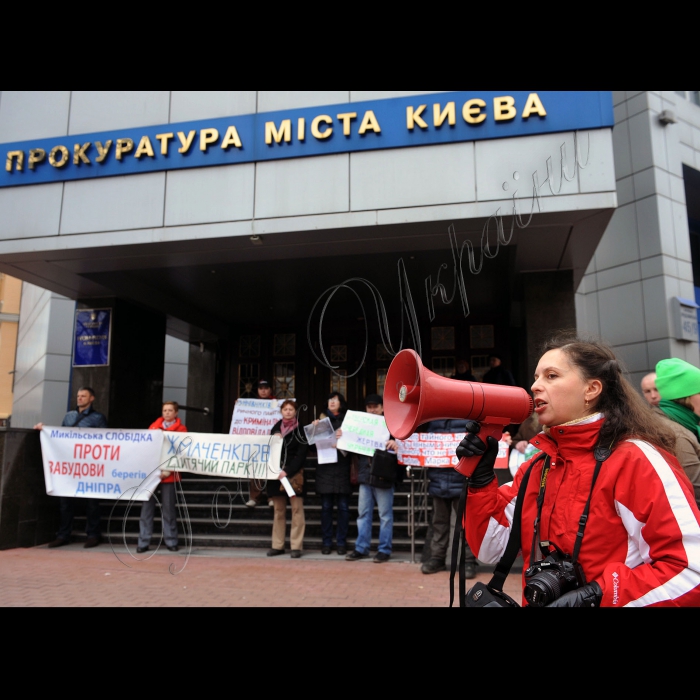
412 521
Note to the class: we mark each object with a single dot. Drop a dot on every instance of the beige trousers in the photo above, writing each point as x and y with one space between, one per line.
279 524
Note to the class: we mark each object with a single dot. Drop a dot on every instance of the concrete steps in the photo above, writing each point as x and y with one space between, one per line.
215 513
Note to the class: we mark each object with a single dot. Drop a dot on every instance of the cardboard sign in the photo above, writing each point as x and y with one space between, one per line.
363 433
254 416
438 450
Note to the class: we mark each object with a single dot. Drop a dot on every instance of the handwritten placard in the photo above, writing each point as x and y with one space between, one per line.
254 416
234 456
363 433
438 450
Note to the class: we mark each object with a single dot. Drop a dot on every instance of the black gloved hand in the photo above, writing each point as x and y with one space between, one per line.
472 446
588 596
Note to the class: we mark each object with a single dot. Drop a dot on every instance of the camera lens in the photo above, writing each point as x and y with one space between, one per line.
543 588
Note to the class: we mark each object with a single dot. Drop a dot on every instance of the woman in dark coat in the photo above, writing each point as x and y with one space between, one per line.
333 483
292 463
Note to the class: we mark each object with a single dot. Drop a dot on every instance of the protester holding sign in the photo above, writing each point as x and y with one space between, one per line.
83 417
294 450
169 421
445 486
377 476
257 495
333 483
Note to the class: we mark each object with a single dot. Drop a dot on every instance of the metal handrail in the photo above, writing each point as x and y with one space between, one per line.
204 410
422 507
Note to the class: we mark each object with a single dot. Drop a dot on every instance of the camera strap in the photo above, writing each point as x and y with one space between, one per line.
514 543
600 454
511 552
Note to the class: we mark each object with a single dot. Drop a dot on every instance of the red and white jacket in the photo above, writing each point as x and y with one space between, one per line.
642 538
177 427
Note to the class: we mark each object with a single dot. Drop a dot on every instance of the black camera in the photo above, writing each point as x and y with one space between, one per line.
550 578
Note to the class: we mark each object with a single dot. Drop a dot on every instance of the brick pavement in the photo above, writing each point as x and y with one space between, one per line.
72 576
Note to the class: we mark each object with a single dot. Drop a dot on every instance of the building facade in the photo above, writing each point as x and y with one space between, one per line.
304 237
10 291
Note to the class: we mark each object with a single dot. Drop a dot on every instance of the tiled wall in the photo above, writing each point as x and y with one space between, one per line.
342 190
175 373
643 260
43 361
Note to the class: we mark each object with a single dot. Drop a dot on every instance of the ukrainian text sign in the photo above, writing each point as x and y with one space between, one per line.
439 118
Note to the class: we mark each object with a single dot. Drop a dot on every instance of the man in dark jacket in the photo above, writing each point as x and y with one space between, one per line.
378 489
498 374
445 485
85 416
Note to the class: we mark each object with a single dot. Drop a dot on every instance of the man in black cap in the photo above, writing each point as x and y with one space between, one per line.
264 390
377 476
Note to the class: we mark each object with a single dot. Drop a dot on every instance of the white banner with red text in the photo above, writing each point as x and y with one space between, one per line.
254 416
438 450
101 462
111 464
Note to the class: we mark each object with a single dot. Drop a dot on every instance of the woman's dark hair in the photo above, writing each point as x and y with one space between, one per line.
290 402
341 398
626 413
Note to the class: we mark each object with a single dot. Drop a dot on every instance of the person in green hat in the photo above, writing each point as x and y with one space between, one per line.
678 384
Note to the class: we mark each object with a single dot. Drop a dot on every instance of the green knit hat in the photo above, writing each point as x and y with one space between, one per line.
676 379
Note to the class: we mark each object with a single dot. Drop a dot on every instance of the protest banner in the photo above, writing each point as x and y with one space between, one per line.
254 416
232 456
438 450
502 458
112 464
363 433
101 462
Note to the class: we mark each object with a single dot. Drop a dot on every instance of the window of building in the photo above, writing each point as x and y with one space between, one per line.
381 380
284 344
249 346
480 337
444 366
480 365
382 352
248 375
442 338
339 381
284 380
339 353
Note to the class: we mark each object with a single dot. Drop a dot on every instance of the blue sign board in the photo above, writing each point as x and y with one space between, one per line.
438 118
92 337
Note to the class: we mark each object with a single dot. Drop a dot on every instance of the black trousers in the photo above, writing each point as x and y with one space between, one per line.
92 513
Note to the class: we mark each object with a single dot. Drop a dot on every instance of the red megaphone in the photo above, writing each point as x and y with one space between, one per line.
414 395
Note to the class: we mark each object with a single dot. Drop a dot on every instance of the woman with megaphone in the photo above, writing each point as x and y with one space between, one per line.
608 516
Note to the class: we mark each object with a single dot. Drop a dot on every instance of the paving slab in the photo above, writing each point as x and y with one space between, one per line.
115 576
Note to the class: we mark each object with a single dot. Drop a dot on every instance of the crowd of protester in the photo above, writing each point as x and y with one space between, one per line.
664 414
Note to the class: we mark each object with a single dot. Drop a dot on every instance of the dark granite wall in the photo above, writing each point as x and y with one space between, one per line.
130 390
201 389
549 307
28 516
